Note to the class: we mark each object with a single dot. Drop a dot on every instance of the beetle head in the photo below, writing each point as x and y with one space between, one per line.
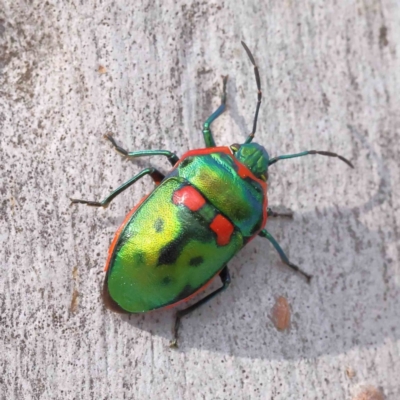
254 157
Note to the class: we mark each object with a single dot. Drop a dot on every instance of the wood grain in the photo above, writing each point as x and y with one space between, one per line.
149 73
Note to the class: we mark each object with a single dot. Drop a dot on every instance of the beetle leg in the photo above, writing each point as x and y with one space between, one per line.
271 213
225 279
310 152
264 233
154 173
172 158
208 137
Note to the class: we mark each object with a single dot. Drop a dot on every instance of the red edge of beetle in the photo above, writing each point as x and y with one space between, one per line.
122 226
189 297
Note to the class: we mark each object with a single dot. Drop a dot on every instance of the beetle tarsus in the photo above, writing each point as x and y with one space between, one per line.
271 213
300 271
174 343
114 143
223 96
88 203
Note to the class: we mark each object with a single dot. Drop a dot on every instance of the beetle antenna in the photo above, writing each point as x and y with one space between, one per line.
259 93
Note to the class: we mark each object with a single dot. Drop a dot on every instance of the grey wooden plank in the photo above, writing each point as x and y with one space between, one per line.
330 75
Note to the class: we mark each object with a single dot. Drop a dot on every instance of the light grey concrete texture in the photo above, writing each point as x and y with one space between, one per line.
149 73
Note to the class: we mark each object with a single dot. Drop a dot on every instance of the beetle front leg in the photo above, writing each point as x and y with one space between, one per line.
208 137
172 158
154 173
225 279
264 233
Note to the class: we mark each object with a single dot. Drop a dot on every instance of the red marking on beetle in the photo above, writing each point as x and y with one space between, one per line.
189 197
223 228
122 226
242 171
203 152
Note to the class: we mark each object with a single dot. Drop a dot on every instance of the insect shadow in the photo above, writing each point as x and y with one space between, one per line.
347 305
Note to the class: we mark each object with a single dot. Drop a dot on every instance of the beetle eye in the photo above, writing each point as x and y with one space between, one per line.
235 147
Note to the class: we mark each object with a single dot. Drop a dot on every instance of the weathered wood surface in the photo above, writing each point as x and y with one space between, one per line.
149 73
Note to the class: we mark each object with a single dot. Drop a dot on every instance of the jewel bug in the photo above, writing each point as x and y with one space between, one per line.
200 214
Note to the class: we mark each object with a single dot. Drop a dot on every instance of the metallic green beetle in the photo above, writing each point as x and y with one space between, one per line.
182 235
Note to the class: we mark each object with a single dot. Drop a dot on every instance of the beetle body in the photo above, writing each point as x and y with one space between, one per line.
210 205
182 235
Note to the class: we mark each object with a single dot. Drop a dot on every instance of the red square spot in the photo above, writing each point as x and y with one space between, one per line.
223 228
189 197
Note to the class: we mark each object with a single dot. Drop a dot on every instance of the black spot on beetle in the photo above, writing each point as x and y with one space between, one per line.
159 225
196 261
193 230
170 253
166 281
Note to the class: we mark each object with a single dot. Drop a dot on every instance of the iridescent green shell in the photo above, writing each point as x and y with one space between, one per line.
167 251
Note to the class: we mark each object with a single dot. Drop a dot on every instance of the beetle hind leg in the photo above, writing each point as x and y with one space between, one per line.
208 137
225 279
